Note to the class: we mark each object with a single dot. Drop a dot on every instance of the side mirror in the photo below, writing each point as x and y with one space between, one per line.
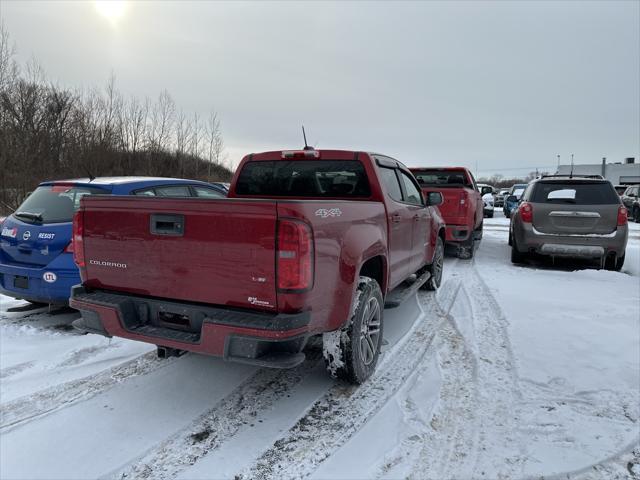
486 190
512 198
434 199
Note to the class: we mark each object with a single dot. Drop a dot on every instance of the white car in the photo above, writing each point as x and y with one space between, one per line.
487 199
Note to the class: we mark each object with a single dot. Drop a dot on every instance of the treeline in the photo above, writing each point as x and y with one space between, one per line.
500 181
48 132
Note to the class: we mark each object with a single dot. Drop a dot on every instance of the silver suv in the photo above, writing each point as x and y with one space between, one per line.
563 216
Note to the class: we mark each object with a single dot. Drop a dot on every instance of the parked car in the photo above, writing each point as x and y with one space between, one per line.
310 242
620 189
462 209
499 198
630 199
36 261
570 217
511 200
485 188
487 201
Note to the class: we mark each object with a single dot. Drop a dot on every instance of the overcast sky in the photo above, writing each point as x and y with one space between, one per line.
504 86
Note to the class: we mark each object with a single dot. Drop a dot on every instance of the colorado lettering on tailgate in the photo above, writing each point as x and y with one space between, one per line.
104 263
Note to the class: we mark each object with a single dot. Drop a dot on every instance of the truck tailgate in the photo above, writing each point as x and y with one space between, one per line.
211 251
454 203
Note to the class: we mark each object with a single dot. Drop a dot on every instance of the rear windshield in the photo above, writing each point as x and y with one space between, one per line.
592 193
304 178
53 203
452 178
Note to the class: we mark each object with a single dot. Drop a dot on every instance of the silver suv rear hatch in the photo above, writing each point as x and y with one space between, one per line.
575 207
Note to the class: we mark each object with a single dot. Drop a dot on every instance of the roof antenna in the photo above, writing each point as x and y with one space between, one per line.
91 177
304 135
571 174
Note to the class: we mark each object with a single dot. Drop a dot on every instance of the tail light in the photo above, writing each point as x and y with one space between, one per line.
622 215
69 247
77 244
294 255
526 212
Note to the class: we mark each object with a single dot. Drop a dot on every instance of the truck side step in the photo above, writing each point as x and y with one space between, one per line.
405 290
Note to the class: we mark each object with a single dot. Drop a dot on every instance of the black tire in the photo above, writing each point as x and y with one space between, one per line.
636 214
507 214
516 256
436 267
614 263
490 214
510 241
352 352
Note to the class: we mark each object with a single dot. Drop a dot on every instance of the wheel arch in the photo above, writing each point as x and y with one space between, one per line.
375 267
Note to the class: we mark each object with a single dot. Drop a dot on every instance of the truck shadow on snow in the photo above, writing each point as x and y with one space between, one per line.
41 317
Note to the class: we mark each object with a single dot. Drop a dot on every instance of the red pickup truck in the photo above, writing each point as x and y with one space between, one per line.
309 242
462 209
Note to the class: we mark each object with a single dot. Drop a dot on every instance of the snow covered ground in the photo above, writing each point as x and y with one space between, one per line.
508 372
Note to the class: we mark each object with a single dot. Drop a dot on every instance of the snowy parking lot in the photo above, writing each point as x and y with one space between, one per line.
508 372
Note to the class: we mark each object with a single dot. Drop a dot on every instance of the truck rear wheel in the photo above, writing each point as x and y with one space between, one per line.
436 267
352 352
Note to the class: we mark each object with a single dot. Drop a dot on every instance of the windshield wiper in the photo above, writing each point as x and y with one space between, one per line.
32 216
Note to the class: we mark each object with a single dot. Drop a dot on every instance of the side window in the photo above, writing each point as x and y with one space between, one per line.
173 191
413 194
204 192
147 192
391 185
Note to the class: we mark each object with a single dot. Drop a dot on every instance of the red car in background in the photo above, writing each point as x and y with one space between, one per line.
462 209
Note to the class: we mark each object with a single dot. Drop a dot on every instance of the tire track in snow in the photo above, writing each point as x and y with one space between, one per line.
210 430
344 409
24 409
444 440
479 396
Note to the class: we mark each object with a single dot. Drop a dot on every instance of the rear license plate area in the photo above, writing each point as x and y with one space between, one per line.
174 320
21 282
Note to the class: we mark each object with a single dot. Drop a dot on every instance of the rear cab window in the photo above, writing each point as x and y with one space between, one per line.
304 178
579 193
54 203
443 178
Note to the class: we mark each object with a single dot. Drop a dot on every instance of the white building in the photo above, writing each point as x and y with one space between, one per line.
626 173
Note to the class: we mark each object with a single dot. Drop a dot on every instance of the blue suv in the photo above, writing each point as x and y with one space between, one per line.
36 256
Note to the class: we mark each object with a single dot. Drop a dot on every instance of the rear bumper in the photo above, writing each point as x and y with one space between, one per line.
529 239
242 336
38 289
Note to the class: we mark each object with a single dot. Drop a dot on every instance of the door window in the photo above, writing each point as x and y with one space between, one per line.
411 191
391 185
204 192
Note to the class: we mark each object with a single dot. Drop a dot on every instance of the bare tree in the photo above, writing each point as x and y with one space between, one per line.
215 151
49 132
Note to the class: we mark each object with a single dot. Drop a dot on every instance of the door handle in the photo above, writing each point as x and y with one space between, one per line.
416 218
396 218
